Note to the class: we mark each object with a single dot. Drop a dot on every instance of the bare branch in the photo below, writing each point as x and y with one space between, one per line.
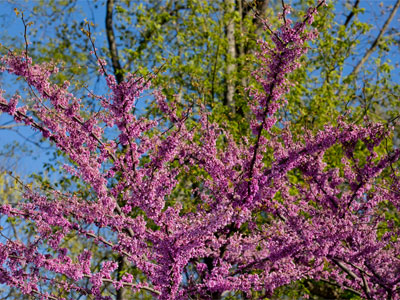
376 41
11 126
351 14
127 284
343 287
47 296
344 268
260 8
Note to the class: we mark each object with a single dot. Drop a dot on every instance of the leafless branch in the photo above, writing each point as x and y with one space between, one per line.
11 126
376 41
127 284
351 14
342 266
343 287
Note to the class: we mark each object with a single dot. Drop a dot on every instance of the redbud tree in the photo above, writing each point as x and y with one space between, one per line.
267 210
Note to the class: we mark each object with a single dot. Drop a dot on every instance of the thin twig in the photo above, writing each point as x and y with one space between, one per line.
46 296
127 284
25 35
11 126
95 51
283 11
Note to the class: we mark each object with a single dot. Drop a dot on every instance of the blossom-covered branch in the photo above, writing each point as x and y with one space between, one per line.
266 211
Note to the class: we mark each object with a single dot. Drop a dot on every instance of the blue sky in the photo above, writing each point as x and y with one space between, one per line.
27 162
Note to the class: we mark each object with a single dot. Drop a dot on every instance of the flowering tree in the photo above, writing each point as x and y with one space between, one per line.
268 210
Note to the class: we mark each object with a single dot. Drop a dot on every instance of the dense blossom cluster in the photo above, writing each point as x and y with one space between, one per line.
266 211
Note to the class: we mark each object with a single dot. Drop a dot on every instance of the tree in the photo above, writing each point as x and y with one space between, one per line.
269 209
197 61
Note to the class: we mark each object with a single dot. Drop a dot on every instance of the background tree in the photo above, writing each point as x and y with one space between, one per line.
209 45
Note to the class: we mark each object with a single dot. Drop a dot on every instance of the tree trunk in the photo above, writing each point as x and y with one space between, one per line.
118 73
231 55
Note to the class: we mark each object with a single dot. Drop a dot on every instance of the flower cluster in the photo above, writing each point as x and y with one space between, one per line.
249 227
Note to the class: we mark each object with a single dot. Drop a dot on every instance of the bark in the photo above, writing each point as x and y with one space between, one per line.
111 42
231 51
122 292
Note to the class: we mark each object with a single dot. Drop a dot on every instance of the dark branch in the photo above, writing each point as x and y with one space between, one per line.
111 42
351 14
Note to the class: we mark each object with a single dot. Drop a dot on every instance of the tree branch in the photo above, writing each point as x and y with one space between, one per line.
351 14
127 284
260 9
376 41
344 268
343 287
11 126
